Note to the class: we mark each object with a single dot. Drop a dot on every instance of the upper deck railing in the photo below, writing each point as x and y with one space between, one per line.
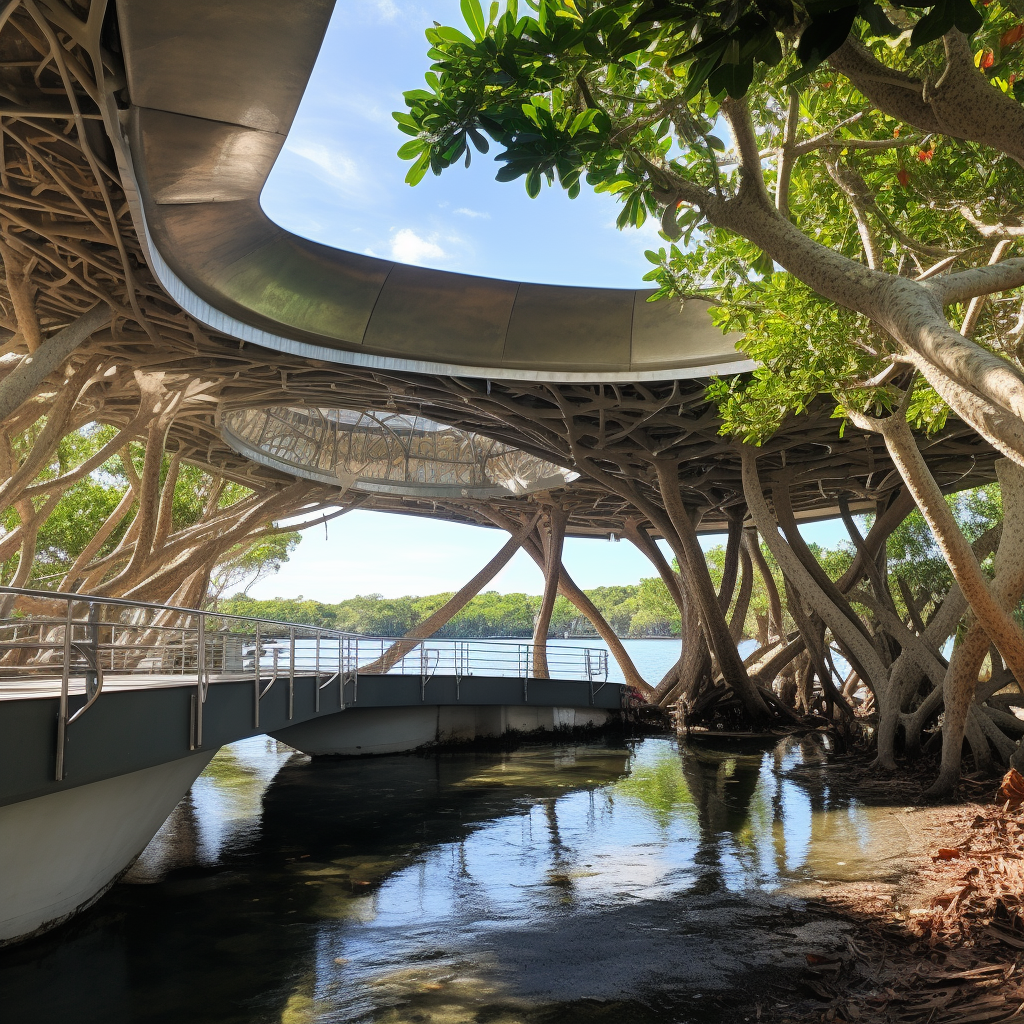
75 643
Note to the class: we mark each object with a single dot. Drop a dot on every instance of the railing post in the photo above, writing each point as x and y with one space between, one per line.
92 676
316 674
524 668
423 672
62 711
256 681
201 685
291 673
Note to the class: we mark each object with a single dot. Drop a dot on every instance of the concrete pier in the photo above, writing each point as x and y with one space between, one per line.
361 731
134 755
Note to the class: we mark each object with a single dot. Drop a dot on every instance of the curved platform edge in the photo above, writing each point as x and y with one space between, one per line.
61 852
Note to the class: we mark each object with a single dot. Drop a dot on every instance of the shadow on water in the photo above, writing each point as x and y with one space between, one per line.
551 883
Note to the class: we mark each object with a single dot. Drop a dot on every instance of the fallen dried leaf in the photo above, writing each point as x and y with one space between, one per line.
1012 788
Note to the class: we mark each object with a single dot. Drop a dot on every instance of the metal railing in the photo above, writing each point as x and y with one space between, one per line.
80 642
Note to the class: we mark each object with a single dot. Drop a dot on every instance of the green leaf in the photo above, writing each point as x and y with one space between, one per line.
936 23
763 265
734 79
967 18
479 141
669 223
418 169
411 149
699 71
824 35
474 15
878 21
452 35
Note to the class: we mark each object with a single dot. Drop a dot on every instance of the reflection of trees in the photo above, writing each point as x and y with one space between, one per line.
242 940
562 856
722 785
658 786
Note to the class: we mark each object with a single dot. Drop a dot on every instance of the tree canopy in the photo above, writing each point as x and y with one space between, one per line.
861 150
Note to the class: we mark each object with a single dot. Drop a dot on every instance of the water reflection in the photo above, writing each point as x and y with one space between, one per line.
572 884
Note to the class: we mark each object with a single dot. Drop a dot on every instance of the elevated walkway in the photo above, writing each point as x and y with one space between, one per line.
110 709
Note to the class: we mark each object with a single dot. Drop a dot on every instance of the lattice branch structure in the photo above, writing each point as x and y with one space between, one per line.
69 242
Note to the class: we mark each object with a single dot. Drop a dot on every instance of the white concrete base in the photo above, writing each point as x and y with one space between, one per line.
358 731
59 853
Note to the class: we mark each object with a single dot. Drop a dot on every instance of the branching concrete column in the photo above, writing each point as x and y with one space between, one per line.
849 634
553 541
398 650
604 630
694 657
21 383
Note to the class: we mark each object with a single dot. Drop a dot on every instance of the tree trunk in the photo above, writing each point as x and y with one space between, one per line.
552 560
694 566
739 612
776 624
961 679
997 621
732 555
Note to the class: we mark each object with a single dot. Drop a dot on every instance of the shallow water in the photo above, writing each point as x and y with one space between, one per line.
553 883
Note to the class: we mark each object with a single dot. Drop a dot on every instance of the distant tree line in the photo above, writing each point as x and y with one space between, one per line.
643 609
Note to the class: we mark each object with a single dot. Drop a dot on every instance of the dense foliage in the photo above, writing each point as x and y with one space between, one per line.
629 96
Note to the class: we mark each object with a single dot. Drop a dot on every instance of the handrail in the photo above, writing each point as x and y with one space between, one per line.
142 648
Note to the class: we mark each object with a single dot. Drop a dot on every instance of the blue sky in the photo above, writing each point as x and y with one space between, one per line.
338 181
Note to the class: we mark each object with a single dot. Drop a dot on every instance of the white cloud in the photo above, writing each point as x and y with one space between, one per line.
467 212
338 168
385 10
408 247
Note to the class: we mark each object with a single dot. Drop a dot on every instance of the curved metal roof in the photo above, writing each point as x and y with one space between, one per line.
214 88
